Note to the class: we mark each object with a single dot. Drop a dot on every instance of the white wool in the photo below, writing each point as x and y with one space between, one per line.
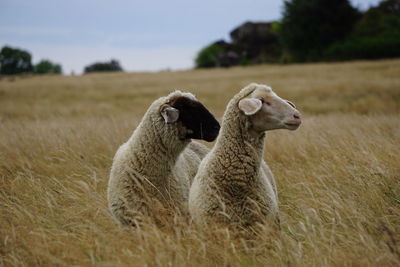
233 183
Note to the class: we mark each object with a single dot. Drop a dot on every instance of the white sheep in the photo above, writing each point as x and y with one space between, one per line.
152 172
233 184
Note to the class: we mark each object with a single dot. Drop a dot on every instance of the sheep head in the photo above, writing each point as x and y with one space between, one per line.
192 118
267 111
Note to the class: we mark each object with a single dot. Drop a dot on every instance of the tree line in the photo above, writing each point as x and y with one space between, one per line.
17 61
310 31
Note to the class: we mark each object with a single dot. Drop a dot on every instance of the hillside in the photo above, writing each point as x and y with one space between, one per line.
338 175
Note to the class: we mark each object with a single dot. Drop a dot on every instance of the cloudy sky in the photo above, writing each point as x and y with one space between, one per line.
145 35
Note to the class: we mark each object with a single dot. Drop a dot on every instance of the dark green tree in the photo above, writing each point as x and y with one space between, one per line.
376 35
113 65
379 20
14 61
208 56
310 26
46 66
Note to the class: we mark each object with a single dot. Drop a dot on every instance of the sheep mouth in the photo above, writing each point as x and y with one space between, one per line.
292 125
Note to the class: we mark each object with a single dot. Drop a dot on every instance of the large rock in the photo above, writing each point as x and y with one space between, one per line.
252 43
228 57
253 34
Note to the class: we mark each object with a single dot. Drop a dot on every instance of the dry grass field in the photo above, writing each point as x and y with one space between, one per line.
338 175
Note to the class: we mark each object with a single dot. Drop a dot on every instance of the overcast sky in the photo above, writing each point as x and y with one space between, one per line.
146 35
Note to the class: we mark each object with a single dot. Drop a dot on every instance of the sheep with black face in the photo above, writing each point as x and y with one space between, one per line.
152 172
233 184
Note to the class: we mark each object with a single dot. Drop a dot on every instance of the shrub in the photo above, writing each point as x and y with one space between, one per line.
365 48
208 56
46 66
113 65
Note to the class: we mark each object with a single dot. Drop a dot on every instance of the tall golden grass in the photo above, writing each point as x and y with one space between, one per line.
338 176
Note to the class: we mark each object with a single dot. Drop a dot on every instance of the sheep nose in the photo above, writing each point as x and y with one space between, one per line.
296 116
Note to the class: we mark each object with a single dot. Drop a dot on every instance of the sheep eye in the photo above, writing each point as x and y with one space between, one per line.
290 103
266 102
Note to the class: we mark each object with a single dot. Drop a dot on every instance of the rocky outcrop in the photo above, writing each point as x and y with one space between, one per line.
251 43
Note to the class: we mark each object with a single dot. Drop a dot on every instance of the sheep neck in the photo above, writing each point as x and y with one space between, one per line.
239 142
154 152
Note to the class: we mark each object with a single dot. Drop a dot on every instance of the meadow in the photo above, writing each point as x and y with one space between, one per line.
338 175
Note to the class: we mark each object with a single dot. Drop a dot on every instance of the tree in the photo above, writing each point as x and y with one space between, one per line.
113 65
310 26
376 35
379 20
46 66
208 56
14 61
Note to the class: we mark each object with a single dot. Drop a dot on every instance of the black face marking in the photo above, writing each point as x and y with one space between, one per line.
199 122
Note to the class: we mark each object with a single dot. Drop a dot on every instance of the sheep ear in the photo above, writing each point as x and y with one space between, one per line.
250 105
170 114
